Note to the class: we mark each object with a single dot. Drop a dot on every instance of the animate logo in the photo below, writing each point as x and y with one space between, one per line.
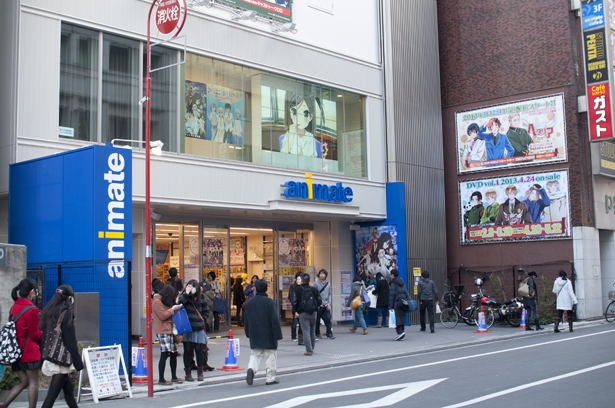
308 190
115 208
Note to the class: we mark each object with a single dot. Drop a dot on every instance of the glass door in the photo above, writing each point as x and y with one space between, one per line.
191 259
215 269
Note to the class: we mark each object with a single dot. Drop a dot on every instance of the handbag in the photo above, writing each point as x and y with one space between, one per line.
220 305
356 303
54 349
412 305
524 289
181 322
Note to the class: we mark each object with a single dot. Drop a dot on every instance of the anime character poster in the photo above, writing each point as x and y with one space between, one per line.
214 113
213 253
516 207
291 252
237 251
280 10
376 250
522 133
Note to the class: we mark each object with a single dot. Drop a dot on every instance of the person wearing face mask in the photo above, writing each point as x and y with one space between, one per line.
60 309
198 312
29 337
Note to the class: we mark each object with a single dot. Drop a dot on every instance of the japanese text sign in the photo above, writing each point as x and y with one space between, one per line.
599 107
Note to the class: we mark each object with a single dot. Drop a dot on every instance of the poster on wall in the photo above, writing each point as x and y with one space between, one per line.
345 285
291 252
515 207
522 133
354 159
214 113
280 10
213 253
376 250
237 251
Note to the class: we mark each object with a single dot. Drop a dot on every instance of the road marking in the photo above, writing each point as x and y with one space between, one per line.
407 390
525 386
318 384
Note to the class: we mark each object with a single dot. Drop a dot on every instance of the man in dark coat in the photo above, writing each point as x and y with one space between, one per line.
307 318
398 293
428 294
262 327
531 303
382 304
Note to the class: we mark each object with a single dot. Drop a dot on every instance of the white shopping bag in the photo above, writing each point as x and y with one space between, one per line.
392 324
438 308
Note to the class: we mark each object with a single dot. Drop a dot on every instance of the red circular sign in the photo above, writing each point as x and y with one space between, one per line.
167 16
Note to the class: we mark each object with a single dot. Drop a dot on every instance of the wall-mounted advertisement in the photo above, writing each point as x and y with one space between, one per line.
376 250
277 9
515 207
522 133
214 113
237 251
213 253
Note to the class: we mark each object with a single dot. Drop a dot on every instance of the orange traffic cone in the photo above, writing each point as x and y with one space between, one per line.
230 362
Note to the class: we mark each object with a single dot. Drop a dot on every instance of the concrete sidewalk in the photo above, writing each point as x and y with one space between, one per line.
346 348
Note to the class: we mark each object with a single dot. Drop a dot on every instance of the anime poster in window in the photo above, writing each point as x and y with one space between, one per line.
376 250
523 133
516 207
214 113
213 253
237 251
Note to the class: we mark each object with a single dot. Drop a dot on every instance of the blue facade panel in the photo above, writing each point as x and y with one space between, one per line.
74 211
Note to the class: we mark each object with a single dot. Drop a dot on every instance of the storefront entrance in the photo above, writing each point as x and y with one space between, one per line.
234 256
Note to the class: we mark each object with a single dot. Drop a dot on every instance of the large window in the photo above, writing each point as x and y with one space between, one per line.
241 113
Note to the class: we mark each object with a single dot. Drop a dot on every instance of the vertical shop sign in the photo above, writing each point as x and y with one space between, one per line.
599 107
593 15
596 68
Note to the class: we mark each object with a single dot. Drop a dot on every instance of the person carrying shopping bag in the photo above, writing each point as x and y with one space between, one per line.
398 300
565 300
58 313
357 290
196 307
163 307
382 303
29 336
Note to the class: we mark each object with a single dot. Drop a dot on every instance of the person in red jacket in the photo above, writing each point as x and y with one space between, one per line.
29 337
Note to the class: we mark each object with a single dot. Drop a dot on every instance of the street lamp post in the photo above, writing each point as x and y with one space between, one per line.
167 20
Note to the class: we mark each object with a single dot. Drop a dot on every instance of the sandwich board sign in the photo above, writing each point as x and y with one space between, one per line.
103 365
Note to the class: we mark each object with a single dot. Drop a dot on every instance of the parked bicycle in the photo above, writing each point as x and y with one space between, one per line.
450 315
609 313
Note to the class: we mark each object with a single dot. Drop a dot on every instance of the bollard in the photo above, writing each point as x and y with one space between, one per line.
482 324
139 373
230 362
522 325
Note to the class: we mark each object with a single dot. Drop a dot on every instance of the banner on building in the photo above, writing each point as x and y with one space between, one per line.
214 113
522 133
515 207
280 10
376 250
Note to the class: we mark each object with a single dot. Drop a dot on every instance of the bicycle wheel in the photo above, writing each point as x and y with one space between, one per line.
469 318
609 313
449 317
514 318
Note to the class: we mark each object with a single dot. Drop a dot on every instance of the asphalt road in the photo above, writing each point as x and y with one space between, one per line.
549 370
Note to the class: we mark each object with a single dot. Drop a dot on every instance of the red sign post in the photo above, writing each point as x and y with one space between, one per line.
167 16
599 108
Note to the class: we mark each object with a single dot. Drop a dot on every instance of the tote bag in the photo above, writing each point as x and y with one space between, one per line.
180 319
220 305
54 349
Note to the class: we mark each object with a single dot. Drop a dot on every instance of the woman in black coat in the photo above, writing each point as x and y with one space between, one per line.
198 312
382 305
238 299
61 304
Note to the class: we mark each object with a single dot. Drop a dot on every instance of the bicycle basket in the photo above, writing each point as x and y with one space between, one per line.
612 294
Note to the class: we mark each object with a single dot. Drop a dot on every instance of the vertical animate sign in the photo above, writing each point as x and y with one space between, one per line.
597 69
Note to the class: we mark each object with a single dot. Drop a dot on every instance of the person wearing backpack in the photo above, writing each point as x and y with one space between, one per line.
60 307
565 299
324 311
295 322
357 290
531 302
29 336
307 302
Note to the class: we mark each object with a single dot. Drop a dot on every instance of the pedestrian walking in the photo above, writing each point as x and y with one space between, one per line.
262 327
357 290
324 311
531 302
172 276
59 310
164 307
29 336
565 299
250 290
196 307
307 301
381 289
398 300
427 294
238 300
215 285
295 321
208 292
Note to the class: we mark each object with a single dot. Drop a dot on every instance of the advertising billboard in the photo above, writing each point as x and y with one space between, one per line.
276 9
522 133
515 207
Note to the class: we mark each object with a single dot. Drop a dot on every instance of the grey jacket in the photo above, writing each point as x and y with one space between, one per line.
355 290
325 294
426 290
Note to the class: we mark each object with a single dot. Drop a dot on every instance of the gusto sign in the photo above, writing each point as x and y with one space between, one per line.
167 16
599 107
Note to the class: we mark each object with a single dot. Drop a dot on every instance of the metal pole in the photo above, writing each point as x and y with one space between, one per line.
148 235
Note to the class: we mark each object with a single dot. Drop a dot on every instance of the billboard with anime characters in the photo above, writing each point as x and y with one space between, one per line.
516 207
376 250
522 133
280 10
